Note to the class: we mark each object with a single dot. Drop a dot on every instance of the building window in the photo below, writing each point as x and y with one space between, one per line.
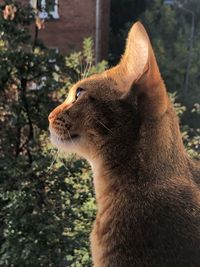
44 5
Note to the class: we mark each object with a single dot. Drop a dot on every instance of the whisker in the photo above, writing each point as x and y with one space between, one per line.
78 75
54 159
51 165
85 70
104 126
81 65
63 158
80 69
88 69
64 164
70 137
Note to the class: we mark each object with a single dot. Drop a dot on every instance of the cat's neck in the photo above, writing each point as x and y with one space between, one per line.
110 182
100 177
159 154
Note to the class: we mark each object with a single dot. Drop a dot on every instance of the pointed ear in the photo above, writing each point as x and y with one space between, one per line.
134 62
138 67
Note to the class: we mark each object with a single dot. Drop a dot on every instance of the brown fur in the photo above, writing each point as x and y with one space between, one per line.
146 185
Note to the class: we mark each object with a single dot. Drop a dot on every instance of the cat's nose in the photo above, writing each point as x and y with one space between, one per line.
53 115
56 111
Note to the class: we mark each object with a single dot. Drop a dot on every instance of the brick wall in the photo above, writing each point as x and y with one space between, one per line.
77 21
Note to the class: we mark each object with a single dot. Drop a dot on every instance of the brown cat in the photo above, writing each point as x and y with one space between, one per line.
123 123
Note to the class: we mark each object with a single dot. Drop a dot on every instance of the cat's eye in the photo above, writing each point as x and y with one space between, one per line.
79 91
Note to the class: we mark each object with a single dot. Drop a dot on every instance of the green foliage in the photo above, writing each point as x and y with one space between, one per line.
82 63
46 204
191 136
170 30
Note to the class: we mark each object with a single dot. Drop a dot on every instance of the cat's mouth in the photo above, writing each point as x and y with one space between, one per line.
67 137
72 137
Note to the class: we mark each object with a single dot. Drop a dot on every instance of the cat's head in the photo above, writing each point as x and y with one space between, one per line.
104 108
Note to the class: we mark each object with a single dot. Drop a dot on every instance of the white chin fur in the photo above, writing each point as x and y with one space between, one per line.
68 146
78 147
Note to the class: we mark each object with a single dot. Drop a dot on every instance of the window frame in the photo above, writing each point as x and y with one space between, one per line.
43 14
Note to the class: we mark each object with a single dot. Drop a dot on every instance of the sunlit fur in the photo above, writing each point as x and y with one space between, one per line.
146 186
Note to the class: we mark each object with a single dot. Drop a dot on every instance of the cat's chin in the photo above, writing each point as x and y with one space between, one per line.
69 145
76 144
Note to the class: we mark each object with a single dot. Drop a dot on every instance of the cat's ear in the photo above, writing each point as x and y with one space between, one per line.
138 67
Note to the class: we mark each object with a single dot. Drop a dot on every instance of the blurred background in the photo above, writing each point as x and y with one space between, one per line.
47 201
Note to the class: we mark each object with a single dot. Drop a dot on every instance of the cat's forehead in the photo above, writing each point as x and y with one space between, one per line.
99 85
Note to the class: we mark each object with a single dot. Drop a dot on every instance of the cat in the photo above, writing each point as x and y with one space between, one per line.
148 199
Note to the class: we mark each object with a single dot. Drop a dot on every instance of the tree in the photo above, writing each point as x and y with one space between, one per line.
46 202
30 226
